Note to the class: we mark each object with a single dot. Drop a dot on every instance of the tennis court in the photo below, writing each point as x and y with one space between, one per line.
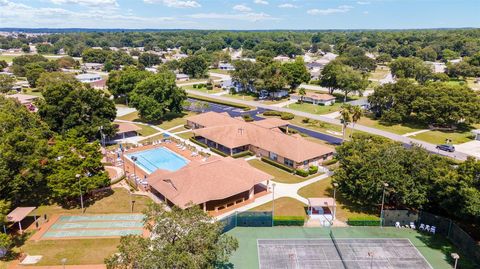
340 253
88 226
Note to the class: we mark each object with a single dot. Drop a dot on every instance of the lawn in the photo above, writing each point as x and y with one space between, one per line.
186 135
380 72
439 137
171 120
278 174
216 101
8 59
284 206
242 96
203 89
219 71
146 130
315 109
130 116
323 188
32 92
396 128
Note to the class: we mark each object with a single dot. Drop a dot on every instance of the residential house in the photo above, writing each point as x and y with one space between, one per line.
182 77
264 138
315 98
226 66
88 78
92 66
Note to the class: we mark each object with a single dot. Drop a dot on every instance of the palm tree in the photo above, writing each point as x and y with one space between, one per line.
357 113
345 118
302 93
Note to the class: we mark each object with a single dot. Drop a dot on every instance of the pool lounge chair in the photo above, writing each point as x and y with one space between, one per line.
397 225
422 227
433 229
412 225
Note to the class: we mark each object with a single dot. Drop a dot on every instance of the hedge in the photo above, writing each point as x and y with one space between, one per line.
364 221
278 165
287 116
198 142
242 154
330 162
288 221
282 115
221 153
247 118
302 172
313 170
271 113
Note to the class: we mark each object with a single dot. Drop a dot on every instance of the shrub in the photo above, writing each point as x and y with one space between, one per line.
271 113
210 87
5 244
221 153
194 86
301 172
330 162
313 170
306 120
364 221
278 165
286 116
242 154
247 117
198 142
288 221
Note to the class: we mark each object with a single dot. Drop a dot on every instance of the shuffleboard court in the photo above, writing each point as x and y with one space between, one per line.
339 253
92 226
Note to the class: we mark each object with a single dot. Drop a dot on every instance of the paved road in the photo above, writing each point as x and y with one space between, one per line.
396 137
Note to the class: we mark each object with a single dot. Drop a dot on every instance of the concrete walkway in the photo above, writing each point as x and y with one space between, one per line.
281 190
286 103
333 115
417 132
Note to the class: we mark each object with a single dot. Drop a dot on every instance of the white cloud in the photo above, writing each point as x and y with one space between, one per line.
365 13
363 3
328 11
261 2
251 16
95 3
287 5
176 3
242 8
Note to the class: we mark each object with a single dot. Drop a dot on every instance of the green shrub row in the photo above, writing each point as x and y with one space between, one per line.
198 142
242 154
364 221
301 172
282 115
247 118
313 170
330 162
221 153
278 165
288 221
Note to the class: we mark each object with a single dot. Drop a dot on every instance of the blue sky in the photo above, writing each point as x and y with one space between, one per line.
240 14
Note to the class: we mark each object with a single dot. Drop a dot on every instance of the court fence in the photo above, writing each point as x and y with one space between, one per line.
248 219
444 226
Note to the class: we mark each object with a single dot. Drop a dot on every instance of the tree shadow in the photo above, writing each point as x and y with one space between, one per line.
349 205
88 199
225 265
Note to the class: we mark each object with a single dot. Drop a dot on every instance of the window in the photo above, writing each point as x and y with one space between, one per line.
288 162
273 156
305 162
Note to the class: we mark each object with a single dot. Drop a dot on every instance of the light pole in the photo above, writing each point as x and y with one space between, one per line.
273 201
63 261
455 256
385 185
134 159
335 186
78 176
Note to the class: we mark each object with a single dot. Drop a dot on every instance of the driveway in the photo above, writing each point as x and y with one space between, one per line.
471 148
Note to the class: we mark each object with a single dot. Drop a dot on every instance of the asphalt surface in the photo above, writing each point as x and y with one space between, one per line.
262 107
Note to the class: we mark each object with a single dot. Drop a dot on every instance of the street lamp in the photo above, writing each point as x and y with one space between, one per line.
335 186
385 185
78 176
273 201
134 159
455 256
63 261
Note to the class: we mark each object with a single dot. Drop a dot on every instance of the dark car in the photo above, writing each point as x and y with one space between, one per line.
448 148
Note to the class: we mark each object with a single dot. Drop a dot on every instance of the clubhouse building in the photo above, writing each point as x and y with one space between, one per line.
265 138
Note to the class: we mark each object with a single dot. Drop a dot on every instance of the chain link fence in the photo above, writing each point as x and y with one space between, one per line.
444 226
248 219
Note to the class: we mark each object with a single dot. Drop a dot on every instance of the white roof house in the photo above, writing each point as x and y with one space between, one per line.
87 78
226 66
182 77
93 66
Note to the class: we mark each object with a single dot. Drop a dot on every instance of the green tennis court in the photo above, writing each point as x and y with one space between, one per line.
247 255
100 225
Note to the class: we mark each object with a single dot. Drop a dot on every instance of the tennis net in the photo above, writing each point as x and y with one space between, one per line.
338 249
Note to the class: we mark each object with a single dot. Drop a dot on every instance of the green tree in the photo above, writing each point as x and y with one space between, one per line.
295 73
156 95
194 66
183 239
67 62
345 118
3 65
329 78
33 72
75 168
302 93
122 82
350 81
245 73
411 68
149 59
19 63
6 83
357 113
5 244
71 105
427 54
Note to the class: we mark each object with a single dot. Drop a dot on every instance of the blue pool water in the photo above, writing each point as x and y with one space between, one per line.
158 158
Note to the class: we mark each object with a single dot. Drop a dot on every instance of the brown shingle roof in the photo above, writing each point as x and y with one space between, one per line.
236 133
125 127
200 182
271 123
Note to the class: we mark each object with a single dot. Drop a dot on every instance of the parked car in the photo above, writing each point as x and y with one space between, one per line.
445 147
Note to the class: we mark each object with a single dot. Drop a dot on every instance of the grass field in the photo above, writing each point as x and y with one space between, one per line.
284 206
380 72
146 130
315 109
439 137
204 89
278 174
8 59
396 128
345 210
219 71
203 98
435 249
171 120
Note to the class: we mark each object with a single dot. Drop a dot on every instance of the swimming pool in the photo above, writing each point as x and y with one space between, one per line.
158 158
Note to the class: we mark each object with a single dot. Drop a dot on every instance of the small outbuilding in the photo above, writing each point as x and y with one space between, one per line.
19 214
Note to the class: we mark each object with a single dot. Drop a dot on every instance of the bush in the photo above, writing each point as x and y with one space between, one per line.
210 87
221 153
301 172
364 221
288 221
330 162
198 142
242 154
247 118
313 170
286 116
5 244
306 120
278 165
194 86
271 113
